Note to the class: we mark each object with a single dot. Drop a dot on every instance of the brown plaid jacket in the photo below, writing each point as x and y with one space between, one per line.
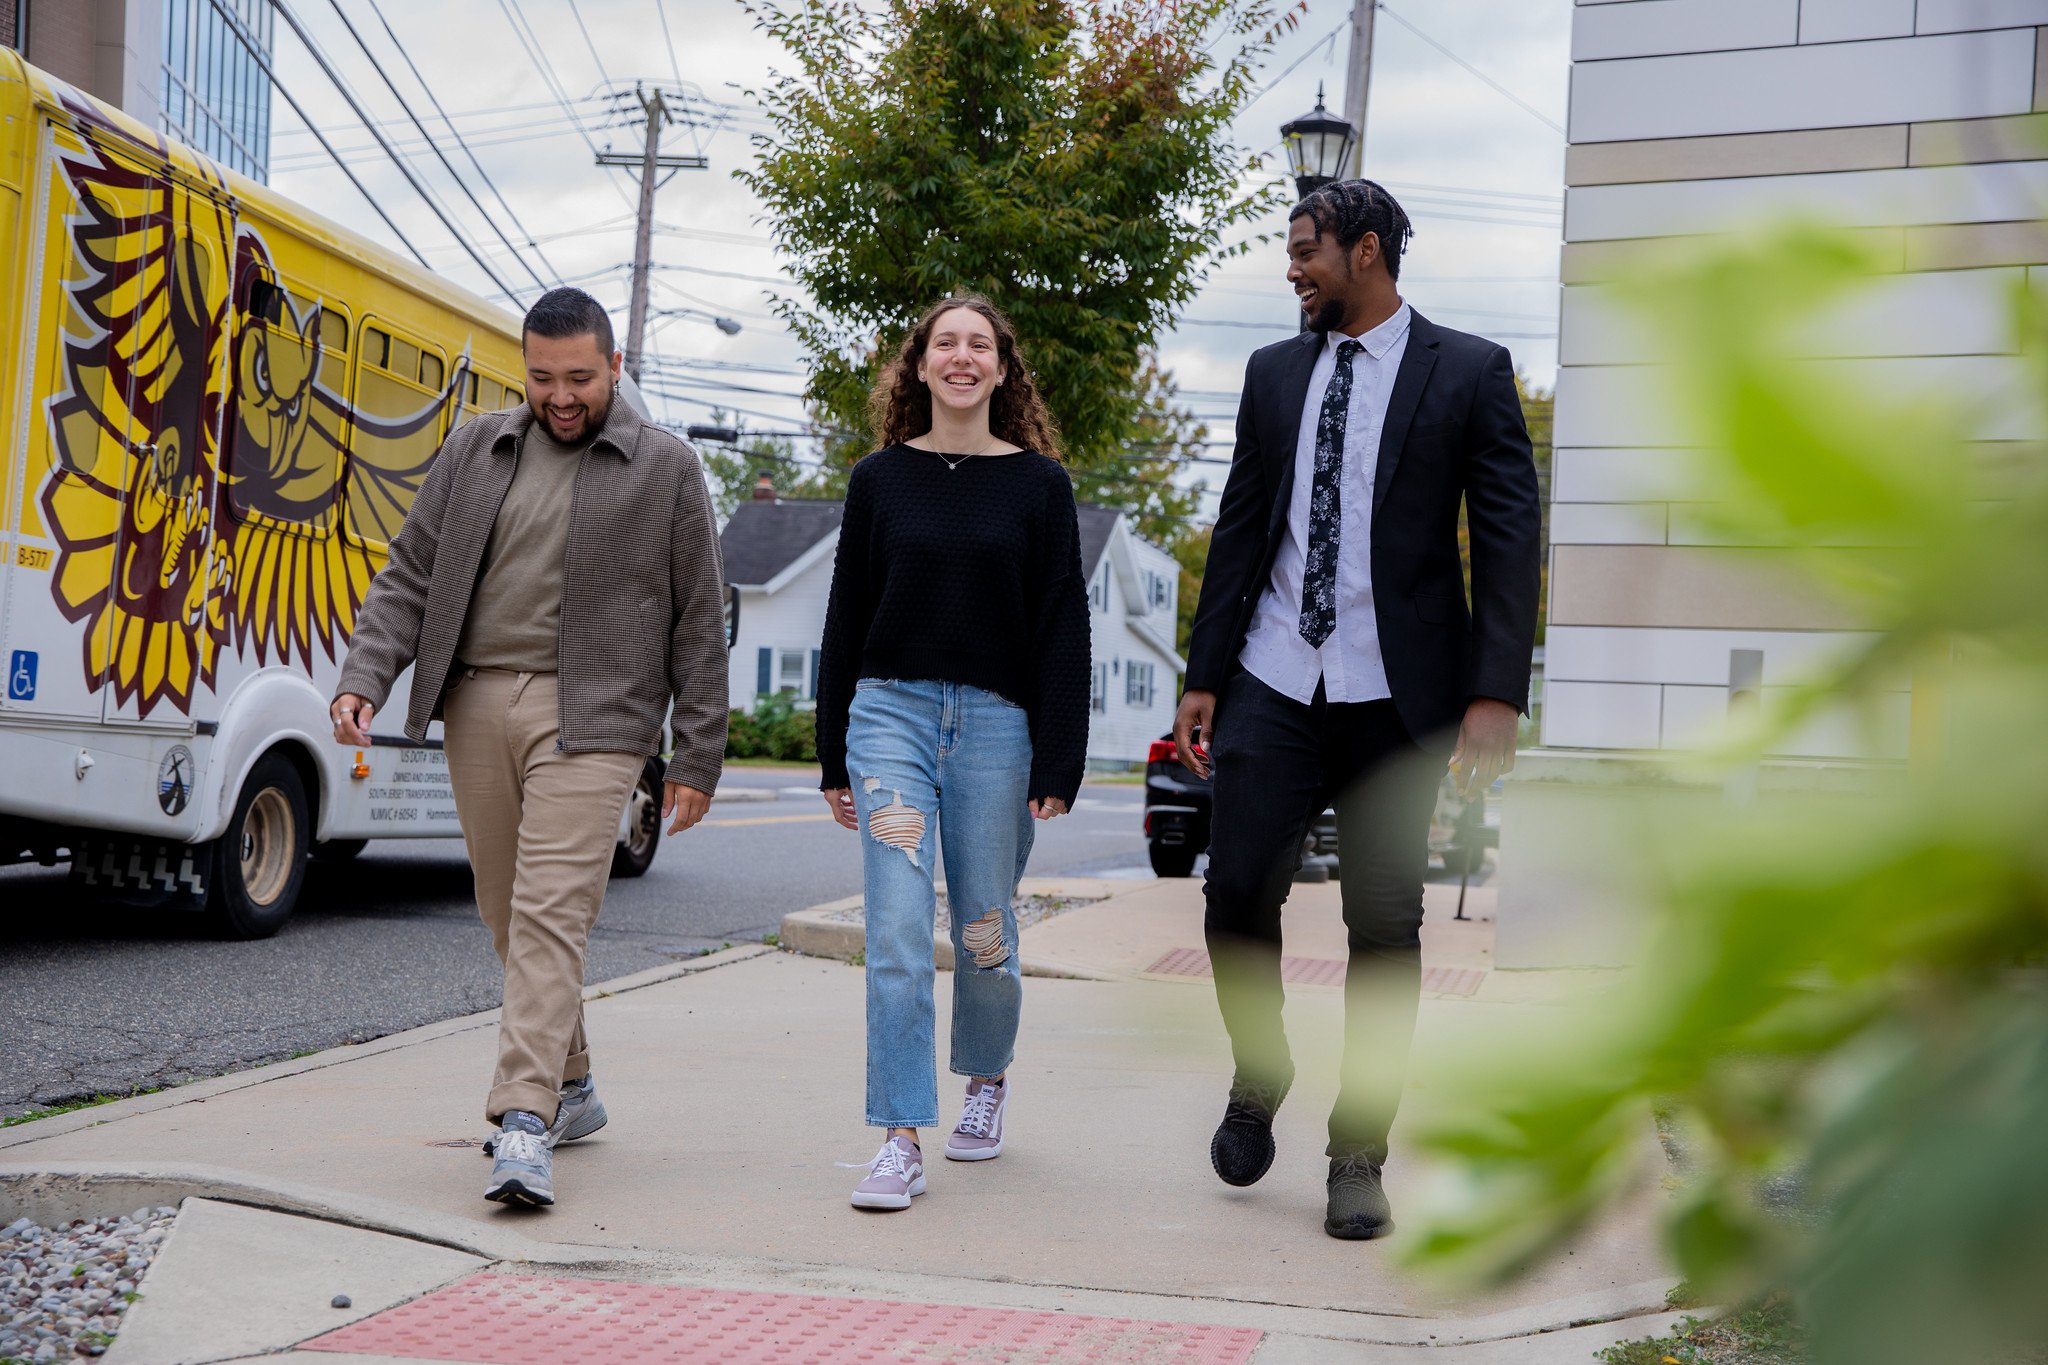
642 591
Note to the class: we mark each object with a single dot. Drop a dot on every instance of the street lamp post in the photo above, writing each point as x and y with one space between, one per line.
1317 144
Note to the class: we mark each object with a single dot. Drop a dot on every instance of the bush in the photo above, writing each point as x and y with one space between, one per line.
775 729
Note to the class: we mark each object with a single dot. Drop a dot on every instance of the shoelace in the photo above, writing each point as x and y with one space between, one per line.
1253 1103
980 1114
889 1161
1354 1170
520 1145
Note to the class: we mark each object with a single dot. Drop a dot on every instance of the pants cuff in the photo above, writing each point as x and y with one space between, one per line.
577 1067
539 1100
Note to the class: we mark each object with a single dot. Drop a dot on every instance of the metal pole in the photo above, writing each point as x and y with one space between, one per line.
1358 80
643 232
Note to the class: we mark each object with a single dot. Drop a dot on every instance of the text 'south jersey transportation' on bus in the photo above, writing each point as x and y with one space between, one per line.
219 408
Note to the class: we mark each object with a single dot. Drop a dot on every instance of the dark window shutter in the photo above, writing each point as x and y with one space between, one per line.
764 674
815 655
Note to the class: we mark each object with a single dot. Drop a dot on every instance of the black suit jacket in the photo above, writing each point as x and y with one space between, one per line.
1454 432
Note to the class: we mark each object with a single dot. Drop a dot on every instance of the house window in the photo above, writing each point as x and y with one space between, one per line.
1160 590
1098 591
792 671
1098 690
1138 685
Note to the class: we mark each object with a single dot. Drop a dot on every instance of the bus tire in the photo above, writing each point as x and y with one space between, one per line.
259 861
634 854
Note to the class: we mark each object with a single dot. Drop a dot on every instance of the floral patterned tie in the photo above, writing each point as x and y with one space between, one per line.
1326 505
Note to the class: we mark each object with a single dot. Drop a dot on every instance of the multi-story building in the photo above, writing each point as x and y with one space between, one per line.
1912 120
182 66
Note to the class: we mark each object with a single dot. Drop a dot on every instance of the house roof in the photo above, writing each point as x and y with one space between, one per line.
761 539
1096 525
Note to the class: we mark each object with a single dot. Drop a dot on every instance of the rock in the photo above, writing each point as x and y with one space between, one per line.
343 1301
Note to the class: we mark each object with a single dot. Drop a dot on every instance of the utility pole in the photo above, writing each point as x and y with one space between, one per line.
1358 80
654 108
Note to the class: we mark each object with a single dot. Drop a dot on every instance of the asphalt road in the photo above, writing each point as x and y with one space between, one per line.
104 1000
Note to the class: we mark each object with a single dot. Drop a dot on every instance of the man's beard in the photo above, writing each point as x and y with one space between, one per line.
594 417
1326 317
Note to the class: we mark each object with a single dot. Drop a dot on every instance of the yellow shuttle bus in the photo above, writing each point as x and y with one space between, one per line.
218 409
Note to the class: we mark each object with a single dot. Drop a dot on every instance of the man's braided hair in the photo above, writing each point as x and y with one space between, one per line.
1349 209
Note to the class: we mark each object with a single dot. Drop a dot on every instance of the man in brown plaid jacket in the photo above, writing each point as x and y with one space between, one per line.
556 588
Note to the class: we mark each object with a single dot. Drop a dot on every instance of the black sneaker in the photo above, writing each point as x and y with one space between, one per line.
1242 1150
1358 1202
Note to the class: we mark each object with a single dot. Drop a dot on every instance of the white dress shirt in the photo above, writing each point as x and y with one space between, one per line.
1349 663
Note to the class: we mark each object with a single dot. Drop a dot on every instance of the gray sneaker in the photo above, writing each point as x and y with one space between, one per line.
980 1134
523 1172
581 1114
896 1173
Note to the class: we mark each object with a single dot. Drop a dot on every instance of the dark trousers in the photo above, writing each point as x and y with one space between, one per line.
1279 764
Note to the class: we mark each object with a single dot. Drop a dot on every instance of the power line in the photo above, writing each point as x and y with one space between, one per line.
1510 95
454 132
348 95
234 25
667 42
577 15
537 54
439 155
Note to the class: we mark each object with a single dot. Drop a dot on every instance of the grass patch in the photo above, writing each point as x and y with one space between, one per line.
73 1106
1765 1333
772 939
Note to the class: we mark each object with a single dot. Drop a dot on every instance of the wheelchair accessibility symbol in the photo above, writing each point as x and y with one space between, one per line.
21 676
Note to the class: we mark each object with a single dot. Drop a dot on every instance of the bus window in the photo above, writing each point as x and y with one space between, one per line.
400 418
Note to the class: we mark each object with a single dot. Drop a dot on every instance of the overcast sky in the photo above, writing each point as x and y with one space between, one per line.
1479 170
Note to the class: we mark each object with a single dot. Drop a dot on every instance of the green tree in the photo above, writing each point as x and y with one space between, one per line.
1067 158
735 468
1845 999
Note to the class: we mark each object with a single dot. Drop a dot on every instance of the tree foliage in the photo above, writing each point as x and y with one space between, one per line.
1067 158
1845 998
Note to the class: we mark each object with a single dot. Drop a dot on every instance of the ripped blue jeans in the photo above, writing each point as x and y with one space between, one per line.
938 766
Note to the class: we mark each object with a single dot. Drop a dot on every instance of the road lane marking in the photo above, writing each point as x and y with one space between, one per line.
771 819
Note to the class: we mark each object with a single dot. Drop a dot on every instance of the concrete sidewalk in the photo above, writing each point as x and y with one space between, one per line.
734 1082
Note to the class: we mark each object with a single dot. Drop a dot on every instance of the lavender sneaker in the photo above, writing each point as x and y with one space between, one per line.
980 1134
896 1173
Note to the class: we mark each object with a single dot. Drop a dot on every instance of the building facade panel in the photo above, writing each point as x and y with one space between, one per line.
1958 16
1922 195
1644 28
1816 85
1692 658
1841 21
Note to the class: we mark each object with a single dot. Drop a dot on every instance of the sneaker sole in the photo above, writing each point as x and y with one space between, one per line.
973 1153
1348 1233
888 1201
514 1192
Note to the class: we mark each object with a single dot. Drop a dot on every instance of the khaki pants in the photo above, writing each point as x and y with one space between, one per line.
540 825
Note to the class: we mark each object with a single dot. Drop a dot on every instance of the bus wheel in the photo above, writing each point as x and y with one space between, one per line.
259 863
635 853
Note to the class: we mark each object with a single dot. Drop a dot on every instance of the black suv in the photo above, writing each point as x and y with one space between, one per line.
1177 823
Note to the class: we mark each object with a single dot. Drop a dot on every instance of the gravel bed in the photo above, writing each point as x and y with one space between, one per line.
63 1290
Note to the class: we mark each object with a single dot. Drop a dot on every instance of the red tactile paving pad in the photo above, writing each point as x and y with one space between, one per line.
1319 971
516 1320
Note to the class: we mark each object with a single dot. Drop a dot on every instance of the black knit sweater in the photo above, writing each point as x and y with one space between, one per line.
969 575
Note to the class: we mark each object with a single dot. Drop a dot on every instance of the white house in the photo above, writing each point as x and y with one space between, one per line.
778 560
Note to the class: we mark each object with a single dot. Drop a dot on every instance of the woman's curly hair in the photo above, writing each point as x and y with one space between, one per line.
900 404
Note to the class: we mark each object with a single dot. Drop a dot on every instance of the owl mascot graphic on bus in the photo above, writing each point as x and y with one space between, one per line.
200 454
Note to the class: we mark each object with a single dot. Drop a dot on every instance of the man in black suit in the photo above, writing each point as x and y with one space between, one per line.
1334 659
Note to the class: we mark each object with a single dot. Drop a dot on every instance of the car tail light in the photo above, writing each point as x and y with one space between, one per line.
1163 751
1148 823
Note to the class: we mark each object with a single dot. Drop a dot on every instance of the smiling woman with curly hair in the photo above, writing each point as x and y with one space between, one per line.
953 690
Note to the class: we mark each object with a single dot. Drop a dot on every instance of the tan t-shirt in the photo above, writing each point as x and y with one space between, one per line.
515 614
